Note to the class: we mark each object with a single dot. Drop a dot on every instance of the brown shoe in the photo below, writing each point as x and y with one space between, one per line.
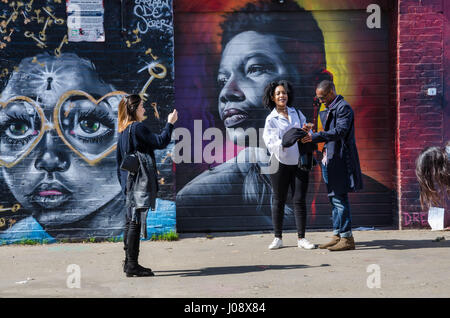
334 240
346 243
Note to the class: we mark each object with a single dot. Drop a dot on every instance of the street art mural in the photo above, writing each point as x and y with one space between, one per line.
58 117
225 54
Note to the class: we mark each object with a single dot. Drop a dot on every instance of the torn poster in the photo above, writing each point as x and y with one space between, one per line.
436 218
85 20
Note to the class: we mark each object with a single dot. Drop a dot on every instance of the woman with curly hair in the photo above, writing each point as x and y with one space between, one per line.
282 118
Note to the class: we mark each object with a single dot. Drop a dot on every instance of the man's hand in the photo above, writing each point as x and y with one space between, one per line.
173 117
307 138
307 127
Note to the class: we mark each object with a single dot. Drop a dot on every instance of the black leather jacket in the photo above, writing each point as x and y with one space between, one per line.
142 187
140 190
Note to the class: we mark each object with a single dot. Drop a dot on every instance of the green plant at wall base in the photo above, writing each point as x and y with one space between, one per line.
169 236
90 239
115 239
27 242
172 236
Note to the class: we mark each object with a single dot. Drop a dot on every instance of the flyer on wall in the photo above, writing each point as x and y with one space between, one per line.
85 20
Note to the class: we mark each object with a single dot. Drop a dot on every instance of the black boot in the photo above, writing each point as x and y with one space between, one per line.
131 266
135 270
124 265
125 243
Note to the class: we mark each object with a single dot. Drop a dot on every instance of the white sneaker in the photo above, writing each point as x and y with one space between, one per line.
276 243
304 243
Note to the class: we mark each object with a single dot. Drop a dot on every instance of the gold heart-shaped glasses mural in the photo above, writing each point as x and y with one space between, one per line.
87 125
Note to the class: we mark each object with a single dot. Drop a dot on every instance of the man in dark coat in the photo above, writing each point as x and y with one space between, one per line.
340 164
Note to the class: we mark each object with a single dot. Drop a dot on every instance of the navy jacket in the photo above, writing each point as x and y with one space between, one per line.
145 141
340 144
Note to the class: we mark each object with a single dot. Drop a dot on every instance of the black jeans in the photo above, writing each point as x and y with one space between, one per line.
131 238
281 181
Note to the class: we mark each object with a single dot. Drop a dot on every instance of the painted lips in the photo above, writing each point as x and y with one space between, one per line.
50 195
49 192
232 117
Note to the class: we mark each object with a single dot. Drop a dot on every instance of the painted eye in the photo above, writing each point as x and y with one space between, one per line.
82 120
222 81
18 125
18 132
90 126
18 129
255 68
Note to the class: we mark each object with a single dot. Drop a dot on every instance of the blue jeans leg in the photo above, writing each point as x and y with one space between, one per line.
324 173
342 220
341 217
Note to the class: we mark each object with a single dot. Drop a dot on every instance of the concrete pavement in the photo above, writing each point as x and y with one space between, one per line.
233 265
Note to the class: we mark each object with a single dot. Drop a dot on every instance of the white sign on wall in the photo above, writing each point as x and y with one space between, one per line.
436 218
85 20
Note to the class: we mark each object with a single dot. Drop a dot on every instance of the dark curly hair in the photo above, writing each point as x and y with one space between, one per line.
269 91
270 17
298 34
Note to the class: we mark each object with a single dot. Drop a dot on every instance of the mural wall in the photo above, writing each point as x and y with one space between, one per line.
58 114
211 61
225 54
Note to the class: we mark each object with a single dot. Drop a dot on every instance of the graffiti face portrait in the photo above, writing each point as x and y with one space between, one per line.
58 131
255 53
249 62
247 44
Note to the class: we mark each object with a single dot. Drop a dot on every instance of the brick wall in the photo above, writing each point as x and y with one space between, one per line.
420 118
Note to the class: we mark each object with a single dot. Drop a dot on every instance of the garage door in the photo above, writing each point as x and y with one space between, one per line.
225 54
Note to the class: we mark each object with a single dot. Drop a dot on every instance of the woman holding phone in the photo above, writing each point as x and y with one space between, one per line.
131 113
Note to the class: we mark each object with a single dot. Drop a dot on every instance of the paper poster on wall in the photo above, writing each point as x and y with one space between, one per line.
85 20
436 218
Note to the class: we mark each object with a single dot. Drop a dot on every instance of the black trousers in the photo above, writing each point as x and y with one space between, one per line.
131 237
281 181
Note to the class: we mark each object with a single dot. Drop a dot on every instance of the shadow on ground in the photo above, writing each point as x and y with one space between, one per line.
226 270
401 244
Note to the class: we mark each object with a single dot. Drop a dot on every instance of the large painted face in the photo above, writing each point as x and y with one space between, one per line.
249 62
58 130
